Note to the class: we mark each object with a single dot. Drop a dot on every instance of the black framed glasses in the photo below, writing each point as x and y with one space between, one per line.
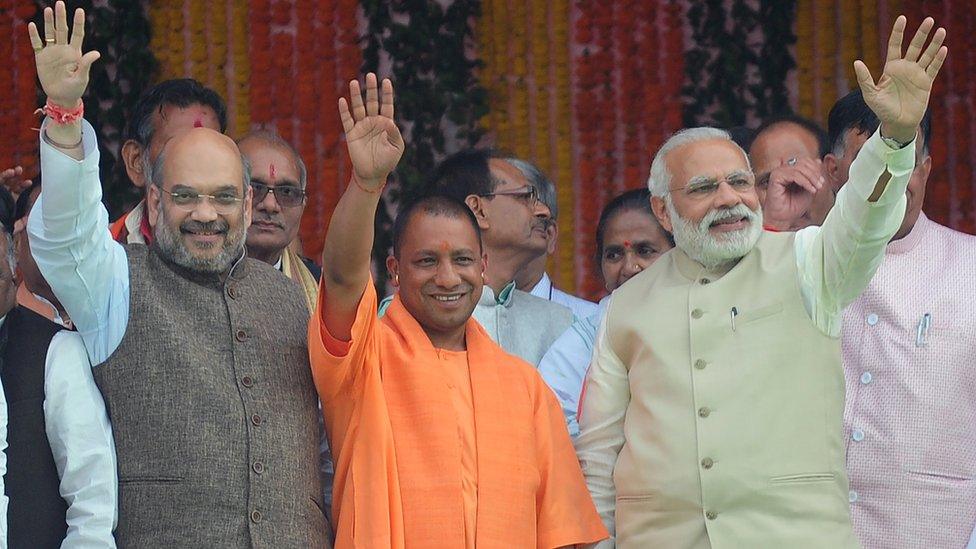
528 193
288 196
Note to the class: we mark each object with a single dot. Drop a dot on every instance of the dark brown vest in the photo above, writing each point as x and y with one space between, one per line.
36 511
213 410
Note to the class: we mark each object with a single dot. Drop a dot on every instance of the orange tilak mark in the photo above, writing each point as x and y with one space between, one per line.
445 247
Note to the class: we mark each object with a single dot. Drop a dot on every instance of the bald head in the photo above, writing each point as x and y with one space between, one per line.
204 155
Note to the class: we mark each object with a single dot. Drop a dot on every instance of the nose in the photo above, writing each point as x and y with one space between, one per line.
539 209
726 197
446 277
632 265
205 211
269 204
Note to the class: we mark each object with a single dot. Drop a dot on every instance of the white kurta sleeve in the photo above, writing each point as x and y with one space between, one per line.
835 262
603 405
74 250
81 441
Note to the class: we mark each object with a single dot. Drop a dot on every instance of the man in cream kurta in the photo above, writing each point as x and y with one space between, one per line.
717 420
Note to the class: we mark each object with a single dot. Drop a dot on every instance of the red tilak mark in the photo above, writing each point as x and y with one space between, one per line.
198 123
271 170
627 244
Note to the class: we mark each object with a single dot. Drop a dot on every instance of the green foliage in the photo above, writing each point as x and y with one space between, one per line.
438 98
120 31
739 62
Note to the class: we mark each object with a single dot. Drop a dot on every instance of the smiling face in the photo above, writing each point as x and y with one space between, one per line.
631 242
206 236
712 207
273 225
439 273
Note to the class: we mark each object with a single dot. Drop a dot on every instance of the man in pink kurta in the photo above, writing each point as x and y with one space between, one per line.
909 346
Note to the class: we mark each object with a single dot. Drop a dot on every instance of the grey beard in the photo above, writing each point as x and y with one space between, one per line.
699 244
170 245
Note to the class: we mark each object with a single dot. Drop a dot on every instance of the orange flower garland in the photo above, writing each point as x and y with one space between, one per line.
242 67
562 172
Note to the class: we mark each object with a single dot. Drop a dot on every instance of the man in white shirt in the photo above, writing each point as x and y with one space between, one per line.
59 461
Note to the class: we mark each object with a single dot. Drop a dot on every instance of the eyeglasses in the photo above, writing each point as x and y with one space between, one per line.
704 187
288 196
527 193
186 200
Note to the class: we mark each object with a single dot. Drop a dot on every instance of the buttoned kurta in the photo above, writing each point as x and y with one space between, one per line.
910 415
717 421
398 443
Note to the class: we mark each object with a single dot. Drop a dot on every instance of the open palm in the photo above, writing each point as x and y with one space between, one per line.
374 141
61 67
901 95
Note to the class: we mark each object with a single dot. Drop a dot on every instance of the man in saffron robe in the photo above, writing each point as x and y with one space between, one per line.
441 439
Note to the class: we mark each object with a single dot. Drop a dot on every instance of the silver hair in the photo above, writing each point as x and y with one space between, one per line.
155 174
274 139
543 185
659 181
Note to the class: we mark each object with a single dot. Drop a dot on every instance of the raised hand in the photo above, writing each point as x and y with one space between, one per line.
374 141
61 67
790 191
901 95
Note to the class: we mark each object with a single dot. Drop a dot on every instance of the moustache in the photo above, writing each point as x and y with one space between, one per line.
191 226
268 219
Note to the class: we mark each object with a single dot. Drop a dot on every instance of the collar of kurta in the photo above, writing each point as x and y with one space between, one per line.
237 271
910 241
498 481
504 297
693 270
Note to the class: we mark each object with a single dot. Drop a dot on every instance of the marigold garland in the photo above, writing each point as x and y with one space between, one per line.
562 171
217 32
241 67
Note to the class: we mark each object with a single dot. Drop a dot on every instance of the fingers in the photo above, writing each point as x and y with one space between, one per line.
864 78
921 35
88 59
78 29
35 37
386 99
356 97
894 41
929 54
60 23
347 122
940 56
811 174
48 25
372 98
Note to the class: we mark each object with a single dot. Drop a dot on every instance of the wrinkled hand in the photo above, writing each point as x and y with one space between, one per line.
13 180
790 192
374 141
61 67
900 97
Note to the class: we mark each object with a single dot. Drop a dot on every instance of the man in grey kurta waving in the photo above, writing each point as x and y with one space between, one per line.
200 352
712 412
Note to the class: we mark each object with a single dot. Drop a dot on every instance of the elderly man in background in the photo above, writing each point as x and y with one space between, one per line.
786 153
213 408
909 345
278 180
717 421
533 277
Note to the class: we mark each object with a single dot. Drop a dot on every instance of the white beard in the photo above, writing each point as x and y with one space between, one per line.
699 244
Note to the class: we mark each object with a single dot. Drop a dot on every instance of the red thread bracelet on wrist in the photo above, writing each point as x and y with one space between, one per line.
355 180
61 115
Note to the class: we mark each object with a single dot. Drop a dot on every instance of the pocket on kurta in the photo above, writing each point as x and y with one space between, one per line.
802 478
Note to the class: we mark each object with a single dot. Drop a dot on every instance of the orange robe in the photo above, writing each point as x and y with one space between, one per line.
398 444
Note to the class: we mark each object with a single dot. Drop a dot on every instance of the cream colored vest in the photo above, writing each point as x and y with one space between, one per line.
734 435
